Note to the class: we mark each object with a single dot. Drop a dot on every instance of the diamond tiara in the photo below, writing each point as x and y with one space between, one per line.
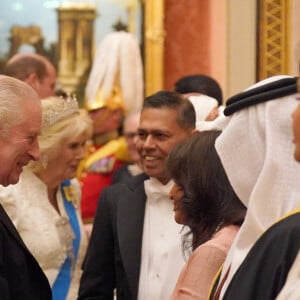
56 109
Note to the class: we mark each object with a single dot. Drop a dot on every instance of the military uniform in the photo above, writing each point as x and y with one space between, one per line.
115 83
97 171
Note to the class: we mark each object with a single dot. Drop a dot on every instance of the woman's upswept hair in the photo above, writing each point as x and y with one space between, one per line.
209 201
73 125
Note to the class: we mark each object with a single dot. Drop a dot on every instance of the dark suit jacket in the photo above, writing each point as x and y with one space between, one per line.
20 275
121 174
114 254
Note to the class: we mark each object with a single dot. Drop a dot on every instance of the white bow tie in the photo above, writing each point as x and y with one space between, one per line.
155 190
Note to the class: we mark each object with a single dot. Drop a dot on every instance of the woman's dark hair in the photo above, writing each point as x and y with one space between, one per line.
209 201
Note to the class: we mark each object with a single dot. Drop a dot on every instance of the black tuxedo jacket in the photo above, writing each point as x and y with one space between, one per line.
114 254
20 275
121 174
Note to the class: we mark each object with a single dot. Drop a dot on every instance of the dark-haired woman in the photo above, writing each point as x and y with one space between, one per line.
205 202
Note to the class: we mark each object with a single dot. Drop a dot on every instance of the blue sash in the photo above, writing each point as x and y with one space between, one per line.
62 282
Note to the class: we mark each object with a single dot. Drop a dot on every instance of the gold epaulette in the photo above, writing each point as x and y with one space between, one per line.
116 147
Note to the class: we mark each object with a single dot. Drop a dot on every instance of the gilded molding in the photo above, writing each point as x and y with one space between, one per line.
154 45
76 45
274 38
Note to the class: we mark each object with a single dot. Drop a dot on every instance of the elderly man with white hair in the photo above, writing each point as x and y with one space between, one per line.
20 124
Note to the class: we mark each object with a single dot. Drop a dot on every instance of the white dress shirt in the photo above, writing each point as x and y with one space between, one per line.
162 257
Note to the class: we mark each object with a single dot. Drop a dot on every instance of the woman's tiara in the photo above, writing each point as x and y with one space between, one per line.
55 109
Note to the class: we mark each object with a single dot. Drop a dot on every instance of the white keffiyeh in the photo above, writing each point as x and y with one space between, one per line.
203 105
256 149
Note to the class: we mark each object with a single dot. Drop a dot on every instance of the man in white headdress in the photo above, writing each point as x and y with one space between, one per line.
114 88
256 149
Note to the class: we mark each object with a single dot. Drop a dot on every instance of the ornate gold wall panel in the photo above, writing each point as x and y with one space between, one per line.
273 38
154 45
76 45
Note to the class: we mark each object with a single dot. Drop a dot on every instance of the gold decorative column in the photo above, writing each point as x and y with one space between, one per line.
154 45
273 38
75 45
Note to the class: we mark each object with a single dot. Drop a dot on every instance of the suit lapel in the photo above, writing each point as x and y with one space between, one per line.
131 209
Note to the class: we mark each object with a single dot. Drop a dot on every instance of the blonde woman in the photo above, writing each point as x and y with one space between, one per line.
44 205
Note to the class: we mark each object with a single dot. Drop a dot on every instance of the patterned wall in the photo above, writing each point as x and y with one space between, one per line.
274 38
